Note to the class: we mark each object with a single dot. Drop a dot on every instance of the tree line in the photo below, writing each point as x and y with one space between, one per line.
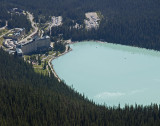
19 21
146 35
129 22
31 99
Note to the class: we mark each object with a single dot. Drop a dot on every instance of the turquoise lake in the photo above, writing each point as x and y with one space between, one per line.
111 74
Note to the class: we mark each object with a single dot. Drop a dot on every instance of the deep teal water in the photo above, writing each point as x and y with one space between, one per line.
112 74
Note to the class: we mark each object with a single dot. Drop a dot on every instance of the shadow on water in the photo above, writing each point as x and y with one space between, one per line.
130 49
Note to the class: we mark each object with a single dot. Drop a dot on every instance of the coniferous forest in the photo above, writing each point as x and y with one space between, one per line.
19 21
31 99
128 22
14 20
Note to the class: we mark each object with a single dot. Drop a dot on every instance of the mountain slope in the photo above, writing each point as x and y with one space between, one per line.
31 99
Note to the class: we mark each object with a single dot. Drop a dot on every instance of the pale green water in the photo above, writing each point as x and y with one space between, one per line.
112 74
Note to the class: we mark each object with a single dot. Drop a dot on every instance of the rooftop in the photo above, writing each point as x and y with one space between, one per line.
19 50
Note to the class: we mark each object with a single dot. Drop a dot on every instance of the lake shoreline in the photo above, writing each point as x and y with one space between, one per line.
53 58
69 42
111 58
73 42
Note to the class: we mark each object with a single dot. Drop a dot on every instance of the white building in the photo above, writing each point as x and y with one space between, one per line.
33 46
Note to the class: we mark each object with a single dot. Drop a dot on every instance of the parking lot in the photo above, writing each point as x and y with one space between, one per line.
92 20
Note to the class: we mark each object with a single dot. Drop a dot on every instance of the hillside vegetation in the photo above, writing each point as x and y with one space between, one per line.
14 20
31 99
128 22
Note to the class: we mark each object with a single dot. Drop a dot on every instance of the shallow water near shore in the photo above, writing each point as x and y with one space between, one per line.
111 74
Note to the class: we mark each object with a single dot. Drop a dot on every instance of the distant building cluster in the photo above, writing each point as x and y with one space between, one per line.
12 38
16 34
36 45
9 43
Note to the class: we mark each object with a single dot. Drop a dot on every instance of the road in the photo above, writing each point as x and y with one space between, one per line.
34 26
6 33
52 58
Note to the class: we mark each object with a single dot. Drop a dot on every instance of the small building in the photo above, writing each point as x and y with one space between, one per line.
16 34
9 43
10 51
19 52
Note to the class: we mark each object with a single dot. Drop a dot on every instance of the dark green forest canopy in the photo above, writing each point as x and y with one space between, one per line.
27 98
75 9
128 22
31 99
14 20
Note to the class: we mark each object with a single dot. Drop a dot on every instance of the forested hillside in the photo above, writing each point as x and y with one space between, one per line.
14 20
19 21
129 22
3 15
30 99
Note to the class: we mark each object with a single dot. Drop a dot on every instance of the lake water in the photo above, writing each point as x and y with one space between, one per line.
112 74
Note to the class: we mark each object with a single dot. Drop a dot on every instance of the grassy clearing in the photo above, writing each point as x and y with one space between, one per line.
1 40
51 52
39 68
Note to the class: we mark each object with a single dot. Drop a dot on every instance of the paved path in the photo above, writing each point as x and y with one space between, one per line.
53 57
55 74
6 33
34 26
